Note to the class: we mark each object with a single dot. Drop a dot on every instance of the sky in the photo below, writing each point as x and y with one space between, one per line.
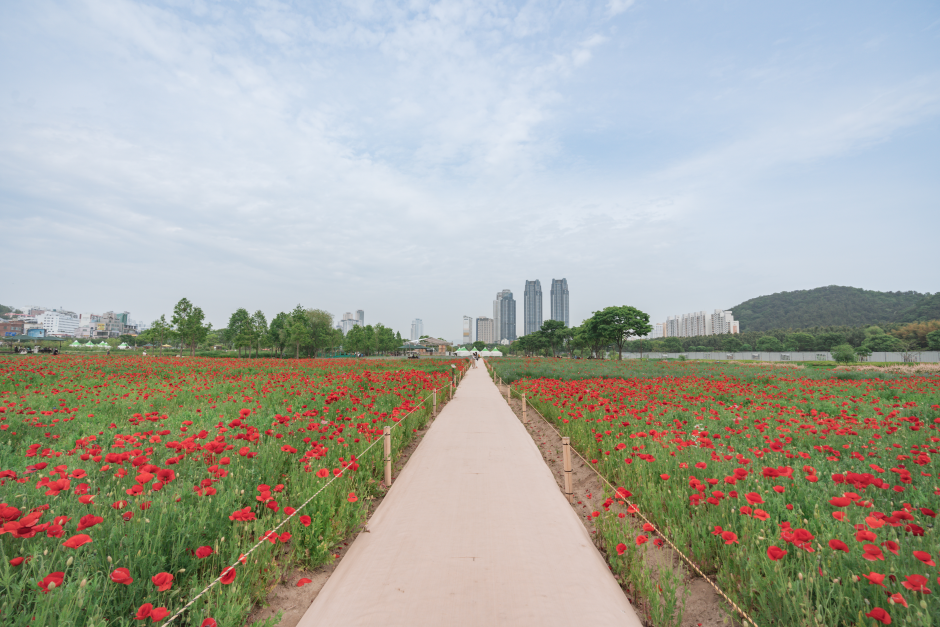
412 159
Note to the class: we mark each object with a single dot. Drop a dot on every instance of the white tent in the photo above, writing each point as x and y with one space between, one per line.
496 353
463 352
485 353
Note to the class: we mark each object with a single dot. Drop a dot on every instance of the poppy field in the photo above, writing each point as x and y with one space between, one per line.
128 484
810 497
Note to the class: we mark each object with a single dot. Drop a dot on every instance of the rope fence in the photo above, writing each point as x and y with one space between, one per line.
635 508
386 437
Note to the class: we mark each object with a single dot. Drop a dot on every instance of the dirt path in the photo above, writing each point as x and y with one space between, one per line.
704 607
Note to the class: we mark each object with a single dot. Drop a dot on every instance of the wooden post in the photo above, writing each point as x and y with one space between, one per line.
434 405
388 456
508 393
566 455
525 419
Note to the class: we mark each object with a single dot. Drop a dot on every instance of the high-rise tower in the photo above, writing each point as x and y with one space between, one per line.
559 298
504 316
532 307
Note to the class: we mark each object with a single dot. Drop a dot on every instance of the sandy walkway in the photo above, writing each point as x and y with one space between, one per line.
473 532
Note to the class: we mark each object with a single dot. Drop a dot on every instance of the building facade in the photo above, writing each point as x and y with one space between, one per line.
348 321
504 316
532 307
700 323
58 323
361 317
417 328
559 301
467 337
11 327
486 330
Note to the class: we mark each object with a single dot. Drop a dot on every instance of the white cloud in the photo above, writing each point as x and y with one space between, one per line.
616 7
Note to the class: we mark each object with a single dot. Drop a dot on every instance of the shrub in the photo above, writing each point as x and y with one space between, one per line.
933 340
843 353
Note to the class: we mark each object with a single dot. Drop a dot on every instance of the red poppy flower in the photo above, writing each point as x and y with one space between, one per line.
209 622
916 583
228 575
352 498
879 615
16 561
839 501
303 582
52 579
163 581
323 472
158 613
243 515
925 558
717 530
621 548
892 546
76 541
143 612
897 598
875 578
86 522
838 545
760 514
648 527
873 553
754 498
122 575
641 540
305 521
775 553
203 552
664 477
729 537
838 515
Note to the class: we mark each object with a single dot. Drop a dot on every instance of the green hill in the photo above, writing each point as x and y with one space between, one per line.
832 306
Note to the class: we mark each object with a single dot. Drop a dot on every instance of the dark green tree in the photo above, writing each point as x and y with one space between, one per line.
933 340
553 331
843 353
616 325
769 344
240 331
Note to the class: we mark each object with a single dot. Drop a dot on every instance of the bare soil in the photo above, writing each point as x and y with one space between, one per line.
703 607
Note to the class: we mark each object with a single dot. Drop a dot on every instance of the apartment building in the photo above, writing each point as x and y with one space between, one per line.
532 307
417 328
467 337
486 330
504 316
559 301
58 323
700 323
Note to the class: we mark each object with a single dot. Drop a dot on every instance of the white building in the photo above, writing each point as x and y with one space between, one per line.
486 330
58 323
467 330
417 328
699 323
349 321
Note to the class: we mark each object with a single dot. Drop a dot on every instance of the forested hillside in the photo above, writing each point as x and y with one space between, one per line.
834 305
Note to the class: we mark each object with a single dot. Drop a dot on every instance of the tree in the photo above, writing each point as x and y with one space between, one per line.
479 345
802 341
881 343
321 326
278 332
618 324
188 322
259 327
240 330
297 330
672 345
641 346
825 341
572 341
843 353
769 344
554 332
160 331
933 340
732 344
385 339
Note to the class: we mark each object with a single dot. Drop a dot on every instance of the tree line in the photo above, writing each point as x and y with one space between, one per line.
609 327
302 331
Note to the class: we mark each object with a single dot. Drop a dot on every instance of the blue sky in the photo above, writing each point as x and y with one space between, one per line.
412 159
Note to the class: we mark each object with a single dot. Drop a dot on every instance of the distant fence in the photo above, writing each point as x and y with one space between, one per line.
921 357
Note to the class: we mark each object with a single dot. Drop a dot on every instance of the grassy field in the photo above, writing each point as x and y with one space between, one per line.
809 494
128 484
